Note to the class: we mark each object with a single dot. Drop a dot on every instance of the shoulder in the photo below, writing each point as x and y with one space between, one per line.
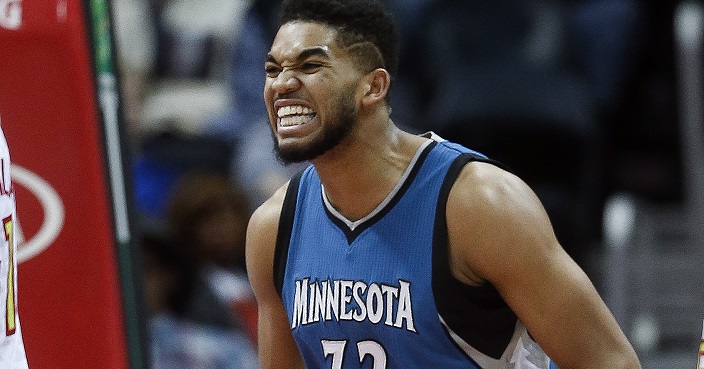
488 189
267 214
266 217
493 217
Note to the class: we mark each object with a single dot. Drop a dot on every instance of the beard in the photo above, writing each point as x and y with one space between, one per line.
334 131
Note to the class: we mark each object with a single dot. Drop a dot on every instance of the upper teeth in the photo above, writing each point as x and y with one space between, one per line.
293 110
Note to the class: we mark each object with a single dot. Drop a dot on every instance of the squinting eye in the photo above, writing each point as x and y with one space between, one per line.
310 67
272 71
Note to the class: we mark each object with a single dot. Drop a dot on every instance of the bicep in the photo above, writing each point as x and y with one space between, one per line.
510 243
560 307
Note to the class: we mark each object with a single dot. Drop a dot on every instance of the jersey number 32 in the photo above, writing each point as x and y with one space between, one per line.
365 348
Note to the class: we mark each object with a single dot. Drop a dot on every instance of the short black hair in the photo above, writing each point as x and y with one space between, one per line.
356 22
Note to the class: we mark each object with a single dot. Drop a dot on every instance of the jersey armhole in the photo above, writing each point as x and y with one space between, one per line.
477 314
283 237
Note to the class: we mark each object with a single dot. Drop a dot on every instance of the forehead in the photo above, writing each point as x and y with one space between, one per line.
295 37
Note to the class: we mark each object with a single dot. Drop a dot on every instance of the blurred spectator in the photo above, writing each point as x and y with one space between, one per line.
207 217
202 311
178 341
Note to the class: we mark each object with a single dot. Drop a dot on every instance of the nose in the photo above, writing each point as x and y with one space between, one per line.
285 82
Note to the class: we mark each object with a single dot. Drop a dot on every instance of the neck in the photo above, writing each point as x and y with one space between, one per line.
360 172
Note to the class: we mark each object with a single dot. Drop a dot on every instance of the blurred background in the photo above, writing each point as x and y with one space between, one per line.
597 104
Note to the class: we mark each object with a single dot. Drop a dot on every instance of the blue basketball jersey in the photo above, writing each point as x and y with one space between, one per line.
377 292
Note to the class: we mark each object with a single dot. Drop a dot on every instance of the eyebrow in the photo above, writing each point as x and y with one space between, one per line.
319 51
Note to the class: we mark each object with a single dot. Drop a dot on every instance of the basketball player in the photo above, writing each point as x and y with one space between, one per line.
12 355
394 250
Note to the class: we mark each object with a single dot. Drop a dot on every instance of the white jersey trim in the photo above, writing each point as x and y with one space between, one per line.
522 351
354 224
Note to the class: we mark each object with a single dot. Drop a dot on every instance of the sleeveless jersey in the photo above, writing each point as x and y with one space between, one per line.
377 293
12 355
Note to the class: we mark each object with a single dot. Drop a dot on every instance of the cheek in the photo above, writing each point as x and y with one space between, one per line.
267 93
321 91
269 105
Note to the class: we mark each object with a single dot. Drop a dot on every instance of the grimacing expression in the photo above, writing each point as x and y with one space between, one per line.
310 91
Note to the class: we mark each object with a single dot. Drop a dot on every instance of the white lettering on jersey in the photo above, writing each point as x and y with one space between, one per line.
10 14
340 300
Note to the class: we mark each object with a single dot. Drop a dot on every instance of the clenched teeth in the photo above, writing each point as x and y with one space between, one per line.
294 120
293 115
293 110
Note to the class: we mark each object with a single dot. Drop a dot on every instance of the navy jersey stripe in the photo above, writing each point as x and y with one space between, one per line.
283 237
477 314
352 234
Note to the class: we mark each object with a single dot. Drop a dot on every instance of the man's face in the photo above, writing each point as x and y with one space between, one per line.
311 91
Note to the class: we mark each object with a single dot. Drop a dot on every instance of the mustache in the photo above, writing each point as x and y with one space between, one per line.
289 95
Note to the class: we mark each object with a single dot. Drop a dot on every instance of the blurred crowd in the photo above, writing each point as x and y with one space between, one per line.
575 96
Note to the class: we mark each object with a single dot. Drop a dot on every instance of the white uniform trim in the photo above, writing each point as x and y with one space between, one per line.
522 351
354 224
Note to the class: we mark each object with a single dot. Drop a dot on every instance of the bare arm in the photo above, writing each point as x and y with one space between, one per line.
510 243
277 349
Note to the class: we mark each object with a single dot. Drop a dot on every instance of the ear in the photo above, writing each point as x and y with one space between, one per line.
376 87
